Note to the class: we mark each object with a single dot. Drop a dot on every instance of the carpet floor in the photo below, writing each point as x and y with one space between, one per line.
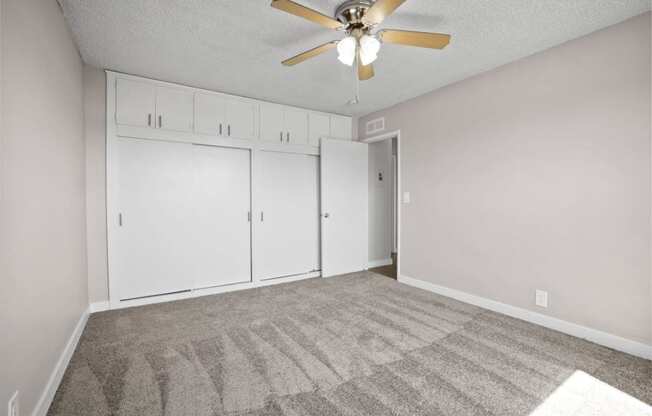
359 344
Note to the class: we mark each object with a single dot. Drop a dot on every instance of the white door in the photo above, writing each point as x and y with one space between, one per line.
341 127
209 114
296 126
241 119
272 128
287 225
154 250
344 205
174 109
319 126
135 103
221 207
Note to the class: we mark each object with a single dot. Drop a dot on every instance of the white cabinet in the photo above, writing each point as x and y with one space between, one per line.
210 112
272 126
217 115
174 109
143 104
319 126
341 127
135 103
287 226
283 124
296 126
241 119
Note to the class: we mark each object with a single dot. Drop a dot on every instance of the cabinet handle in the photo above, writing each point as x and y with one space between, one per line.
248 216
262 216
229 130
287 137
281 137
120 219
220 129
149 120
160 122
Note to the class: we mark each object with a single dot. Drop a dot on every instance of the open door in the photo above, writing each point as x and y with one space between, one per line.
344 207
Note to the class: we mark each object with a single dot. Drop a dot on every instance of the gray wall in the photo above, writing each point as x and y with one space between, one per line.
380 200
536 175
95 131
42 215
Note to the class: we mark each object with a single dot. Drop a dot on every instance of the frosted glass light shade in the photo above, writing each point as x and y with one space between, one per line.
346 50
369 47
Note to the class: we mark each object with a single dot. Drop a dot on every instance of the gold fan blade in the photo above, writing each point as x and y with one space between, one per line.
310 54
365 72
309 14
420 39
380 10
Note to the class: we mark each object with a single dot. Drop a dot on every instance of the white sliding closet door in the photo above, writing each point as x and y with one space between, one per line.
153 244
222 203
287 230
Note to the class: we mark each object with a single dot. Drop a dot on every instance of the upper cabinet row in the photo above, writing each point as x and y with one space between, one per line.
147 104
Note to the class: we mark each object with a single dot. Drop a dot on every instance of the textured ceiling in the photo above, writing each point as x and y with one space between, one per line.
236 46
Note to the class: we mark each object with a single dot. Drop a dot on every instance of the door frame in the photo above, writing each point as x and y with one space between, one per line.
379 138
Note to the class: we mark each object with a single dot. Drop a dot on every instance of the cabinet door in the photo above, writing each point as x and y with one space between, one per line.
221 206
271 123
319 126
174 109
341 127
209 114
241 119
135 103
287 233
296 126
154 244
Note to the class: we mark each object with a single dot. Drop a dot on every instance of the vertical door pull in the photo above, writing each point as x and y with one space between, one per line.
160 121
287 137
149 120
220 129
281 137
262 216
248 216
229 130
120 219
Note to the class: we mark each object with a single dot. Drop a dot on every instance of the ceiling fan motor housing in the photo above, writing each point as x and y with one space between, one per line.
351 12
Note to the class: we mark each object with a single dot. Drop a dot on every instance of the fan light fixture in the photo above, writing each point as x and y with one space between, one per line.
369 47
346 50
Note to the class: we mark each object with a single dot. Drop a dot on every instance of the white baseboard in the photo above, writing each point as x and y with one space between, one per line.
99 306
599 337
379 263
52 385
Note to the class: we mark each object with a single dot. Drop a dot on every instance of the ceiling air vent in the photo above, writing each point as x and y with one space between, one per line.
375 126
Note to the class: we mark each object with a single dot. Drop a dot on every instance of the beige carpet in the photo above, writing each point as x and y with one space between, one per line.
359 344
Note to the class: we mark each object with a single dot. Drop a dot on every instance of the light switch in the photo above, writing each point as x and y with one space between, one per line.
406 197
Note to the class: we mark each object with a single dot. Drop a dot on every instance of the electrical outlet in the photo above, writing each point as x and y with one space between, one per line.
12 407
542 298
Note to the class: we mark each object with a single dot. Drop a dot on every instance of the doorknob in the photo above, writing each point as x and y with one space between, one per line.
326 215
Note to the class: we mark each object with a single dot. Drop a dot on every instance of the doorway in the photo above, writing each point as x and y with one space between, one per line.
384 208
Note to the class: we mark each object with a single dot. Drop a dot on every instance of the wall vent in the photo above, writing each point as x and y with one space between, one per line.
375 126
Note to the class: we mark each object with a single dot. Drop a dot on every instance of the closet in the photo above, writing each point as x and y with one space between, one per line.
209 192
287 233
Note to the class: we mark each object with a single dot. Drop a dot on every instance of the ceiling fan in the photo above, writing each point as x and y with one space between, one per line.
358 19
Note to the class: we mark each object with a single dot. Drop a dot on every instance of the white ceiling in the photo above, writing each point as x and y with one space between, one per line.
236 46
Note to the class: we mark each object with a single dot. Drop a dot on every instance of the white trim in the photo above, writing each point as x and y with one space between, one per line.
52 385
599 337
399 202
99 306
379 263
195 293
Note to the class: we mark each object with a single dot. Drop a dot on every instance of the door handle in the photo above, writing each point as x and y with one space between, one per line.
281 137
149 120
229 130
262 216
287 137
160 121
326 215
220 129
